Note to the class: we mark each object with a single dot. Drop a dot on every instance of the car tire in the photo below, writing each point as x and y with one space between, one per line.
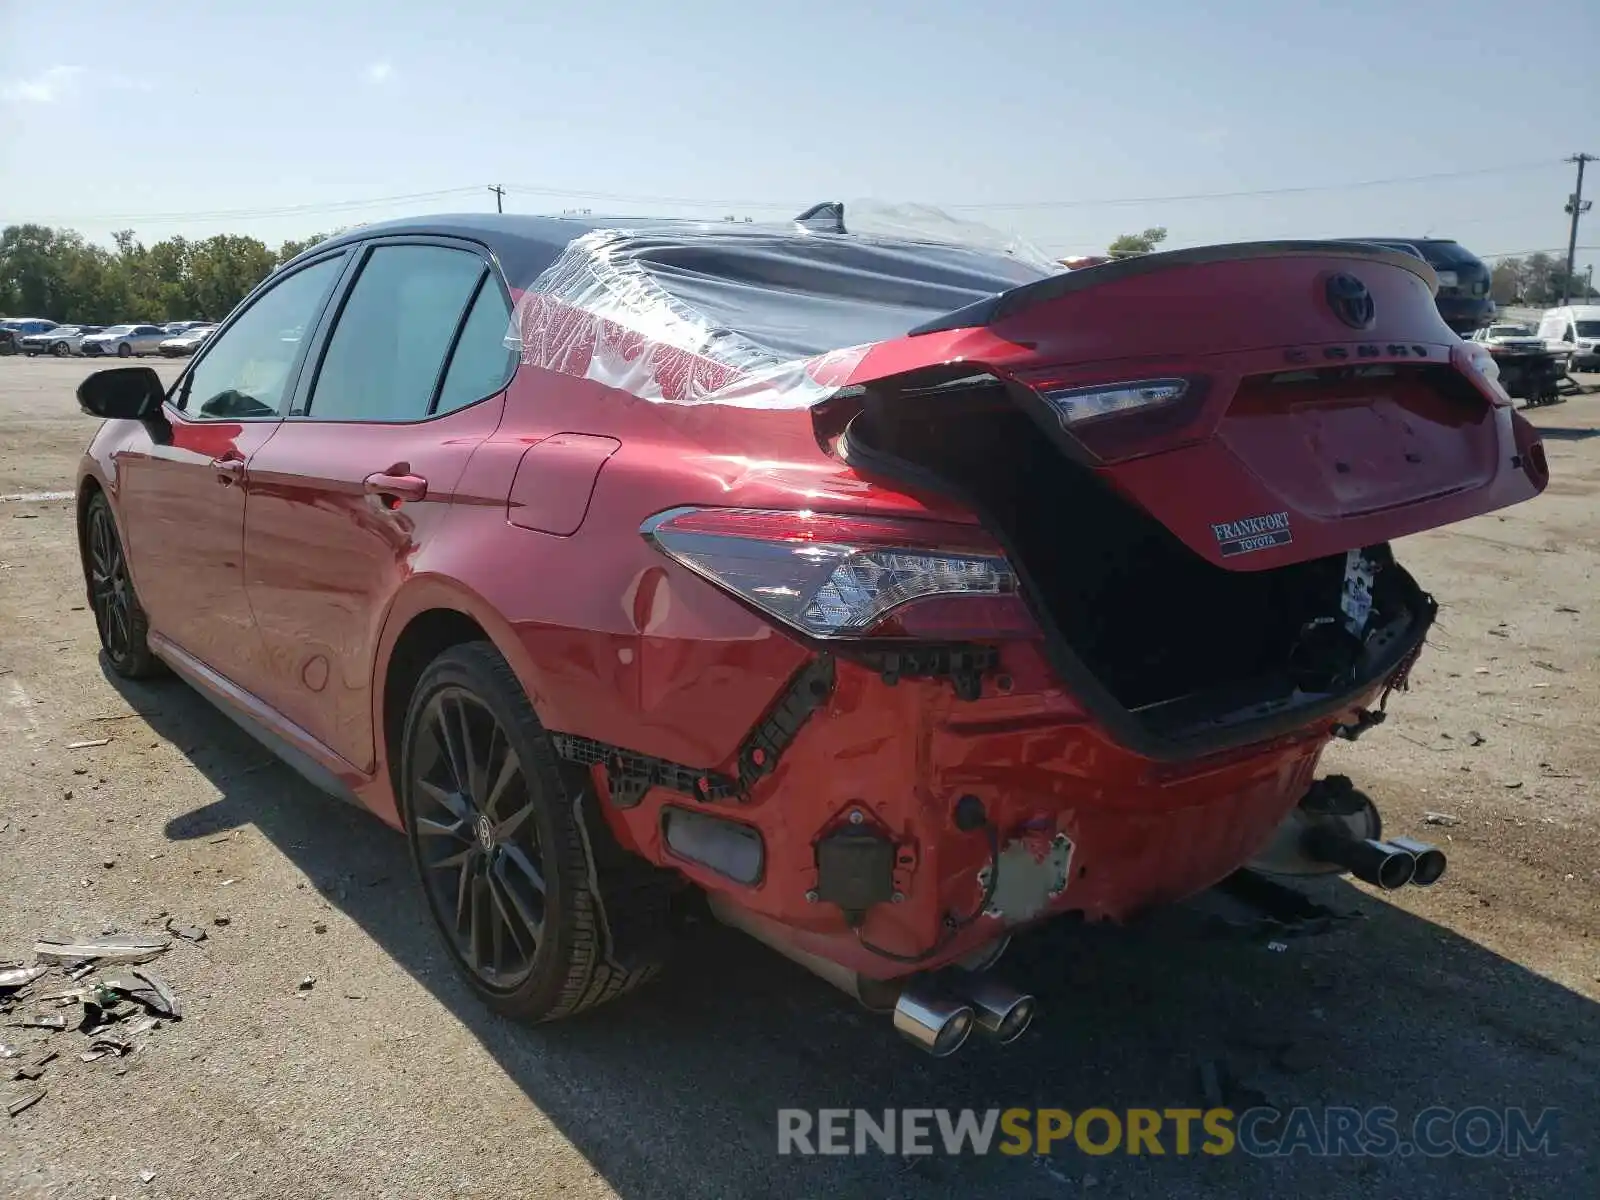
61 350
482 845
31 353
119 618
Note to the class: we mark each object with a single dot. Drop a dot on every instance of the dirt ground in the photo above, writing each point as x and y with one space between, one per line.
386 1079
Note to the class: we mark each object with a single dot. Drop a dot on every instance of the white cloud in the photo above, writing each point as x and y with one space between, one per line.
44 88
379 72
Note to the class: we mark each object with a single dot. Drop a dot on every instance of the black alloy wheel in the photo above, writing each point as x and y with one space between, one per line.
478 851
500 839
118 617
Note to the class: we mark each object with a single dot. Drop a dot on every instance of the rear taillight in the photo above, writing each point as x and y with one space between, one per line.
831 576
1474 361
1074 406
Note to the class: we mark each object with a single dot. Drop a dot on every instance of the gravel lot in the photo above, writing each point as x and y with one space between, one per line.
387 1079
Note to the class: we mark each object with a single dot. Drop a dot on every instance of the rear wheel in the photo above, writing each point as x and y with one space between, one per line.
118 617
500 842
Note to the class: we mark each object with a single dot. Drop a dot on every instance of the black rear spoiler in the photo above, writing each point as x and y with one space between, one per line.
1007 303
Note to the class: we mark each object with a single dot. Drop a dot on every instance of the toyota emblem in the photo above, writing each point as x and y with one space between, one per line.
1350 301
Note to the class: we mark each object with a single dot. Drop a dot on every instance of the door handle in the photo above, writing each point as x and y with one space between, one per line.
229 468
396 487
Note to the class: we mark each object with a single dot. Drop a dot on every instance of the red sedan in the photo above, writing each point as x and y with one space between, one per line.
894 594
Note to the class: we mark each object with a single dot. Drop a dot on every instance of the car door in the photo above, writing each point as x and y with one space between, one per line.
183 489
361 476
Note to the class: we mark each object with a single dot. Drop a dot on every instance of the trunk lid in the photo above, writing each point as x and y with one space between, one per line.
1324 405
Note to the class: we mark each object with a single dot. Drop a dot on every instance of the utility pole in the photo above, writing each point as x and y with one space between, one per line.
500 191
1577 207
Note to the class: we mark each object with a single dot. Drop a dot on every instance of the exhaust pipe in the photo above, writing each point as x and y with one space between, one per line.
998 1009
931 1020
1382 864
1431 861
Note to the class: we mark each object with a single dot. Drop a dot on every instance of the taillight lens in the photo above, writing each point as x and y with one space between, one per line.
1075 405
832 576
1474 360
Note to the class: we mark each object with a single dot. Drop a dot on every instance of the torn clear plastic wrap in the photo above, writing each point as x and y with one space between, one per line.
749 316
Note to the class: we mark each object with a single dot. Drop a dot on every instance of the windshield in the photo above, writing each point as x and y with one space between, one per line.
1589 328
926 223
1509 331
116 329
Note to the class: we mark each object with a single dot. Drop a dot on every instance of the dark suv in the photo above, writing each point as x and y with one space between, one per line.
1463 298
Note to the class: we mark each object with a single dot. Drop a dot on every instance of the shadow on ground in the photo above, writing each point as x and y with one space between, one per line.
1384 1009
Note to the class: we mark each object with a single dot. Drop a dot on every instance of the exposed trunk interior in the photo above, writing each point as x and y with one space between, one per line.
1176 641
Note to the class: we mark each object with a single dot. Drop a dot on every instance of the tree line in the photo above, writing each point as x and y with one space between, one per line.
1536 281
58 274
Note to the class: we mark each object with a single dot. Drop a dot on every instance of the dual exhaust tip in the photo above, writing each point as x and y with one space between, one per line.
1390 864
939 1020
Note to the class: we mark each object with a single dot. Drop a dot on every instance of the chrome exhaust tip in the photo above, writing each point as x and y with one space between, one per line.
998 1009
931 1021
1431 862
1382 864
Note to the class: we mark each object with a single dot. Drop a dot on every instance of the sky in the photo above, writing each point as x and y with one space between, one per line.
1064 122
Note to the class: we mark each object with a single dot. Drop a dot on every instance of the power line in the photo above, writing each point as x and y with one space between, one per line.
1278 191
227 214
337 206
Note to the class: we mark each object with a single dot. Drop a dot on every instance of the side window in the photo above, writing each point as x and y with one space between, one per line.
245 371
484 354
389 344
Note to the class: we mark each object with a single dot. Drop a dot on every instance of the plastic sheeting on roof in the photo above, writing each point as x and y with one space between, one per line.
751 316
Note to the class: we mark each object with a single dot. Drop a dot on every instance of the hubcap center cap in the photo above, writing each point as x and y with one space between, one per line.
485 833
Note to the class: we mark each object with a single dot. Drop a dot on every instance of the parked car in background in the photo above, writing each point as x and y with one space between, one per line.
177 327
14 329
60 341
186 342
1463 299
24 326
882 590
1575 328
124 341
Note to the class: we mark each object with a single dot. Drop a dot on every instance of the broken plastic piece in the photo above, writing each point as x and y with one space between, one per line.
115 947
27 1102
16 977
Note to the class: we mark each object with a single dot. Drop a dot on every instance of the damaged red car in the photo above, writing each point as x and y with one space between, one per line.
895 594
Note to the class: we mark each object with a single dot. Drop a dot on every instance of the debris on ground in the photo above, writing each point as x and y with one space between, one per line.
115 947
118 1012
221 920
27 1102
189 933
12 978
146 1176
307 983
39 1023
1565 608
1476 738
88 744
1439 818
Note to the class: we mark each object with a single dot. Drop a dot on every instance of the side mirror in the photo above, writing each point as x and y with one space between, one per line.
122 394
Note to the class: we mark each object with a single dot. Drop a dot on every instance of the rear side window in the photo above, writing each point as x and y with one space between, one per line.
485 353
389 345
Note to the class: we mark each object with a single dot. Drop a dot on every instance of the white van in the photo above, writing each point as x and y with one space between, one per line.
1577 328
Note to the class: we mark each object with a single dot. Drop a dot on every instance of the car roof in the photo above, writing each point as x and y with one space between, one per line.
526 245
